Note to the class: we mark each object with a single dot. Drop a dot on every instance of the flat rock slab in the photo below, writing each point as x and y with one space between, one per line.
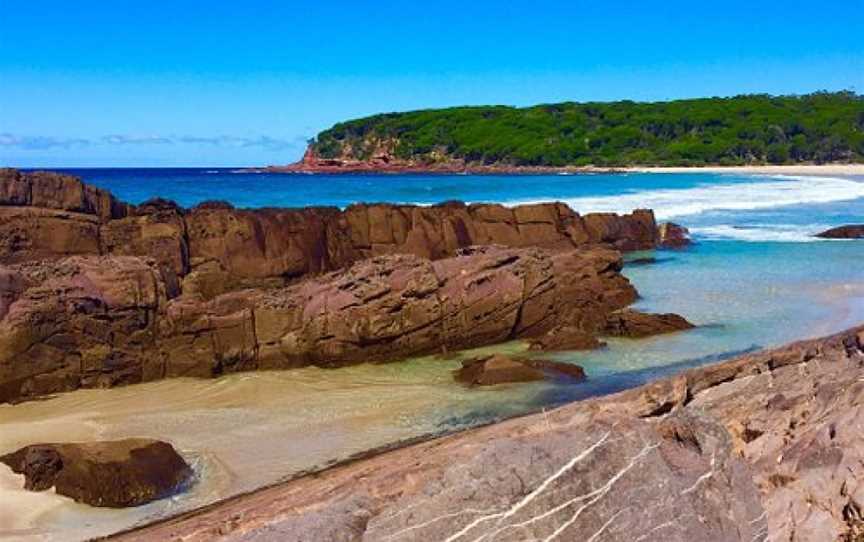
114 474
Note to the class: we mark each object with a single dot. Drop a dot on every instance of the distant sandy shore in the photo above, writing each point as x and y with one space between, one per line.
460 168
826 169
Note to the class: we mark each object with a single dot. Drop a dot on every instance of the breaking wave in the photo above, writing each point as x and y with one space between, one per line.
777 191
780 233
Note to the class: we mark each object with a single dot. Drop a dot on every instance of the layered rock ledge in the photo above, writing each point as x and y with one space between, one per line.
215 248
99 321
763 447
95 292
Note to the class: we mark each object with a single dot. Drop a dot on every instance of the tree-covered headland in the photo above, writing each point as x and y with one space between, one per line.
752 129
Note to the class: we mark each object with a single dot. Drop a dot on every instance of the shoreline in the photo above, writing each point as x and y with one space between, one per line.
708 387
461 169
803 169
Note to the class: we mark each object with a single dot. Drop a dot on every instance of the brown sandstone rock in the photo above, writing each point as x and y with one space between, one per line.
113 474
51 190
29 234
155 229
851 231
103 321
566 338
495 369
630 323
556 368
672 235
501 369
49 216
79 322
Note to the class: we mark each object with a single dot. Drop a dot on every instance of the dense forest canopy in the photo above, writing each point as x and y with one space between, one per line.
820 127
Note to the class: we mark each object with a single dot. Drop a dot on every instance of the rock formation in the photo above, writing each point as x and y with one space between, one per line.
113 474
95 293
97 321
851 231
501 369
766 446
215 248
630 323
671 235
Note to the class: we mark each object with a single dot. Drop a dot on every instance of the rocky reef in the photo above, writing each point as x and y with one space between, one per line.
95 292
113 474
765 446
850 231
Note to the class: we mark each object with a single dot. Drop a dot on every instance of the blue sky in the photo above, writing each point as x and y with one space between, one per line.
189 83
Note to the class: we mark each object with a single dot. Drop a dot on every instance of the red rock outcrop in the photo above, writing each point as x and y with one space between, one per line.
79 322
94 292
215 248
108 320
671 235
113 474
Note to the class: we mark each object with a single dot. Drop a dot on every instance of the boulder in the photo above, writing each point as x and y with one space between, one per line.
671 235
496 369
851 231
501 369
114 474
630 323
556 368
566 338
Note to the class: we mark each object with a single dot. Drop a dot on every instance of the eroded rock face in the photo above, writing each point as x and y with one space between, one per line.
852 231
113 474
108 320
390 307
79 322
217 248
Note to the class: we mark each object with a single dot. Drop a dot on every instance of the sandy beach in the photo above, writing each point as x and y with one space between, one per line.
803 169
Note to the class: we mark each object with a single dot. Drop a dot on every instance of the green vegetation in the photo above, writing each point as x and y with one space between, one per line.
821 127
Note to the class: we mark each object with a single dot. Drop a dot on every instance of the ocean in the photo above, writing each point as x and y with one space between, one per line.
755 278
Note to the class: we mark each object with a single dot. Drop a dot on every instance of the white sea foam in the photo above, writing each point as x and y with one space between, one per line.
783 233
777 191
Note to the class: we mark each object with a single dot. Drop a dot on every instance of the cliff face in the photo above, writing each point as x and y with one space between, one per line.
94 292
